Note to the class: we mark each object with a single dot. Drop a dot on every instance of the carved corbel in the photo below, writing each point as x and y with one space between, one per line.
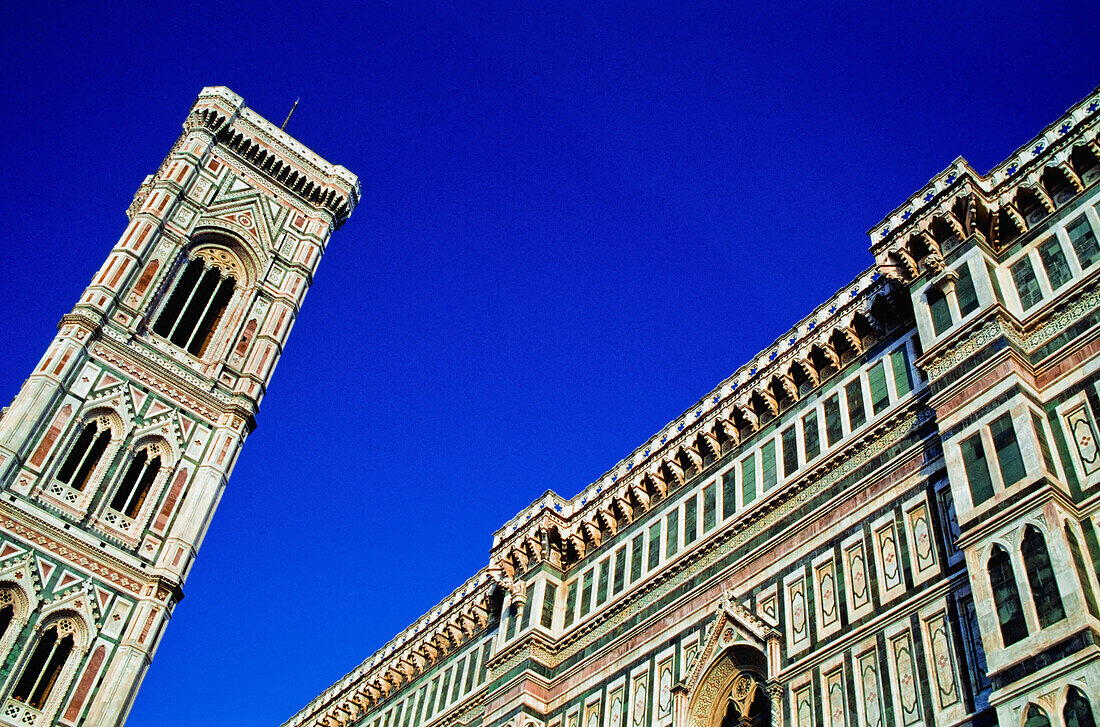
640 496
788 386
428 651
850 336
534 548
480 615
593 531
466 626
454 633
659 481
748 414
1071 175
830 353
677 471
1044 198
907 262
731 427
519 558
579 545
441 642
622 502
809 370
609 524
769 400
552 548
712 441
695 456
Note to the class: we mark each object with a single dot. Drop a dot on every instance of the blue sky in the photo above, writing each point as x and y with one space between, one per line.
576 220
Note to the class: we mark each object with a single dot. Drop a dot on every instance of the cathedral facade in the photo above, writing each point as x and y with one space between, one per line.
887 518
116 450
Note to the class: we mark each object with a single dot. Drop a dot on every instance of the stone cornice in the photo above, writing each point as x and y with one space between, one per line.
448 626
794 345
1001 323
936 200
100 563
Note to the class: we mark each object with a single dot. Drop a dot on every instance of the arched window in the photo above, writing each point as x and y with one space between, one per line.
1006 597
750 709
43 668
84 455
7 611
139 477
1040 576
197 303
1036 717
1078 711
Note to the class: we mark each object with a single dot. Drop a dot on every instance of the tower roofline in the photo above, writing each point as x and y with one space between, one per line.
267 148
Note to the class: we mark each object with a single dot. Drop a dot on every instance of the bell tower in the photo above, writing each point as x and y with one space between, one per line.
116 450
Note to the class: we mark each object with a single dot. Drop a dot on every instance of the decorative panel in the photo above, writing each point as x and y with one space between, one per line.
889 560
804 707
573 719
767 606
868 688
942 660
905 672
1083 434
639 694
689 648
836 714
592 714
828 610
664 690
921 547
615 705
855 567
798 632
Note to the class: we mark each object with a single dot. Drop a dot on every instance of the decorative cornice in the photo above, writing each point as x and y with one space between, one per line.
793 345
1069 128
468 602
1002 325
960 202
274 153
779 505
101 564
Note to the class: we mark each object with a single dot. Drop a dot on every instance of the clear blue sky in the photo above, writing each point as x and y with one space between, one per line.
576 220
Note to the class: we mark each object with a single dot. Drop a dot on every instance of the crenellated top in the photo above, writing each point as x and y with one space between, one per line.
998 207
274 152
446 627
561 531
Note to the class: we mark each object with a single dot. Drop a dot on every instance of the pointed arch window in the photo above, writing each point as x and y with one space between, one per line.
1078 711
136 483
44 665
1006 597
195 307
84 455
1040 576
1036 717
7 611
